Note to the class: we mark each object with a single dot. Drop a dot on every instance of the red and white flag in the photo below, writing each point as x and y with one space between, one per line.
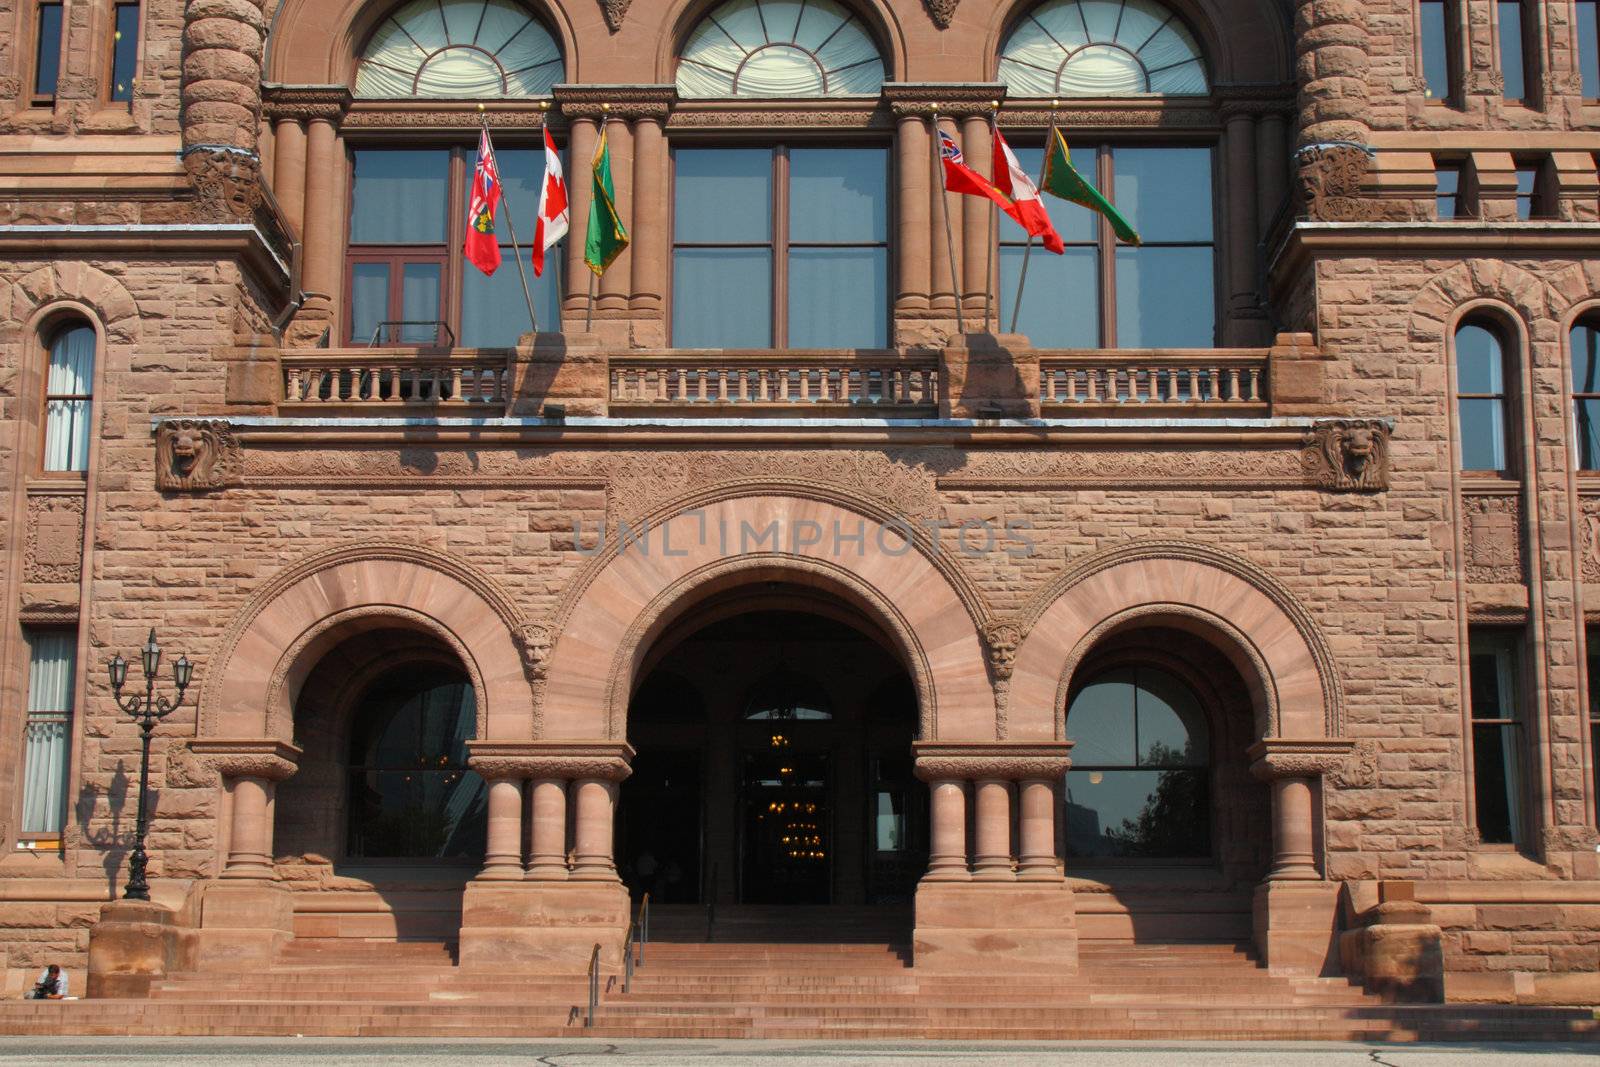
555 217
482 247
1027 207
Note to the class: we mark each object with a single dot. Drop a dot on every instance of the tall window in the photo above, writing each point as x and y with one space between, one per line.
1495 670
780 48
407 218
124 50
459 48
1437 38
1530 193
780 247
1589 47
1101 48
1447 190
1585 344
47 53
1481 397
1139 784
1516 56
1591 640
411 794
46 740
1158 295
69 389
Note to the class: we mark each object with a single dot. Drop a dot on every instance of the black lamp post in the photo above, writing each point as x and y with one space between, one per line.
146 710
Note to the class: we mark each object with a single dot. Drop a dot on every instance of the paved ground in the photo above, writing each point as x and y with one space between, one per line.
324 1052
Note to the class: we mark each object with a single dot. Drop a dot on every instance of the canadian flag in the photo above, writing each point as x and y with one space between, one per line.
554 216
1027 207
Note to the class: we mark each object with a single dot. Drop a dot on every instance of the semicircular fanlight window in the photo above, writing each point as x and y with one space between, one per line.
459 48
1102 48
780 48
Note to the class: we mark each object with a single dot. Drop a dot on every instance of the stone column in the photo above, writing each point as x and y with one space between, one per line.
651 214
977 222
911 221
592 860
547 858
1272 168
1244 323
1036 861
1332 63
993 860
503 855
250 771
582 137
947 858
289 172
615 282
946 288
321 228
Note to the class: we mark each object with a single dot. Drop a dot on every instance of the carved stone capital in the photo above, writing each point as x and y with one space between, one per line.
609 761
306 102
1350 455
1004 760
1293 757
953 99
247 757
196 454
627 102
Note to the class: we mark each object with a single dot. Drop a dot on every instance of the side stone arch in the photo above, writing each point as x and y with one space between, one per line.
1436 307
280 635
75 286
1247 615
629 595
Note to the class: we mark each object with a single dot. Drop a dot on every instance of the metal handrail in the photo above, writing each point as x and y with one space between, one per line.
711 903
437 324
641 927
594 984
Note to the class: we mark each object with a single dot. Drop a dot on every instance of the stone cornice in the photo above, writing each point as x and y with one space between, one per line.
1308 240
650 101
562 760
306 102
978 760
954 99
247 757
166 240
1293 757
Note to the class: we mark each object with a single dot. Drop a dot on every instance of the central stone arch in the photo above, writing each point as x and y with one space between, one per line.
637 588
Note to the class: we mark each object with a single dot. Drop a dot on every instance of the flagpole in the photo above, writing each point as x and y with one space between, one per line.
949 237
511 226
1022 279
994 210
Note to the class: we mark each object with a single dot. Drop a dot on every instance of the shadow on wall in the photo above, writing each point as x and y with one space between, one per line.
108 837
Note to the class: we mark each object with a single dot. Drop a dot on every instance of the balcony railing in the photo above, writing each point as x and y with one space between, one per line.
774 383
1176 380
367 378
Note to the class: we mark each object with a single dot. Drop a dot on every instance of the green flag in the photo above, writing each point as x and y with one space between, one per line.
606 237
1062 179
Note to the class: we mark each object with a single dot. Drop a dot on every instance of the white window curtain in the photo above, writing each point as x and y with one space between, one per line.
52 656
69 385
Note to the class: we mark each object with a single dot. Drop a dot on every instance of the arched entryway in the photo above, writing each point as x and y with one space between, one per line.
773 729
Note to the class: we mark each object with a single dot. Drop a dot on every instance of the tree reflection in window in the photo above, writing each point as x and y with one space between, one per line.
1139 784
411 794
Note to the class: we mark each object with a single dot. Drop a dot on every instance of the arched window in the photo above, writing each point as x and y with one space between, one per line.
459 48
411 794
1481 396
788 697
1102 48
69 393
780 48
1139 784
1585 342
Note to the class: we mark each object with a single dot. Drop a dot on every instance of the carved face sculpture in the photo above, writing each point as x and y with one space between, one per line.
1358 446
186 447
1003 641
535 648
190 454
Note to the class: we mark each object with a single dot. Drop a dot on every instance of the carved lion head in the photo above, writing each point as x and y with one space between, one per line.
190 453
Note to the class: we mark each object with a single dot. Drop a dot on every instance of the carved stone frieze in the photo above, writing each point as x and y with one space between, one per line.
520 119
943 12
1293 757
1589 531
977 760
551 760
952 99
615 101
306 102
1031 114
838 116
247 757
1494 538
1348 454
54 549
1143 466
196 454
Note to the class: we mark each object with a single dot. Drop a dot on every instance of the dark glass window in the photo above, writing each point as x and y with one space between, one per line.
407 217
411 794
1157 295
1495 670
47 53
1528 191
1591 639
1589 47
124 51
1585 344
787 696
1481 398
1438 62
1514 64
1447 189
1139 784
781 247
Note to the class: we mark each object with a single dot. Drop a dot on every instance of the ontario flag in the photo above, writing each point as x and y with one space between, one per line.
482 247
555 218
1027 206
960 178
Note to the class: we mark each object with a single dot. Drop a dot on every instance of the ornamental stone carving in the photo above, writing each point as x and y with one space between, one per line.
1589 530
54 549
227 182
1360 770
1002 639
1328 183
247 758
977 760
559 760
533 642
1494 538
1351 455
601 102
950 99
614 11
196 454
943 12
1290 757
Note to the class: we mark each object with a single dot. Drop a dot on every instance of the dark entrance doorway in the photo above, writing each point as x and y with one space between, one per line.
773 738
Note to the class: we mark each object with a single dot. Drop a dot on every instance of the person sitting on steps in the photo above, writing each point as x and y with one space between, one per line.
52 984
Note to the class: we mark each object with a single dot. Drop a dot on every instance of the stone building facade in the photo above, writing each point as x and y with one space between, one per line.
780 557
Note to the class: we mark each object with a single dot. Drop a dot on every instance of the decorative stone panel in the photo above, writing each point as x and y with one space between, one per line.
1493 537
54 551
1589 539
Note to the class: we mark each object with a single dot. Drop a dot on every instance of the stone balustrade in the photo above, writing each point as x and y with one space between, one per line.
1171 379
783 380
368 378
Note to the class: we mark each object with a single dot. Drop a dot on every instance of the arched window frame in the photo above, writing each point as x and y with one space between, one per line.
1583 378
1172 18
57 415
853 25
1503 327
534 18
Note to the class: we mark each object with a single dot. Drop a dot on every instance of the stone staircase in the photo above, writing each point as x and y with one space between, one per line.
765 976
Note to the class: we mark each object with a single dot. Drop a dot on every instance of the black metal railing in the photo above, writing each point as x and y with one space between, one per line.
711 903
634 939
